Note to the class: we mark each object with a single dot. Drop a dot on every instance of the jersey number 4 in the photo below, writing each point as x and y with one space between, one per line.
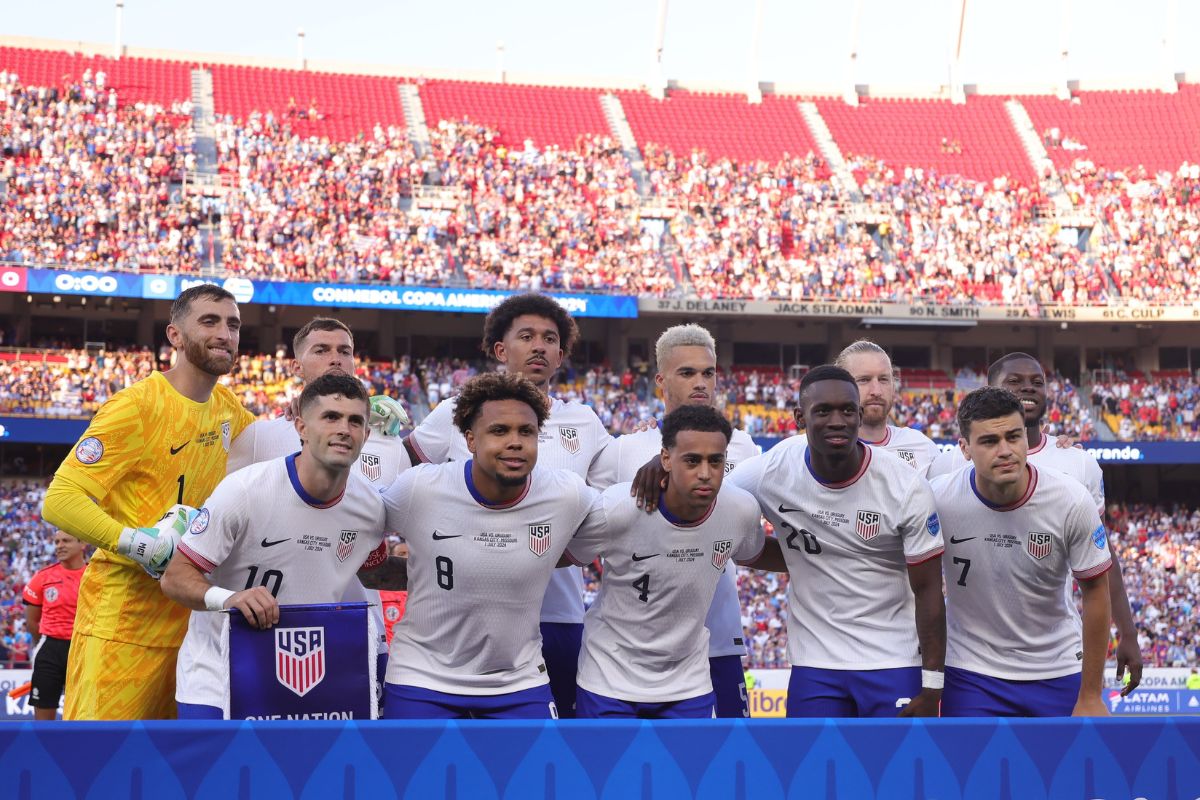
642 584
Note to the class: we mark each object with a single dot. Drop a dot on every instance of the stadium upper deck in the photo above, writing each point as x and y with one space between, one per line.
734 199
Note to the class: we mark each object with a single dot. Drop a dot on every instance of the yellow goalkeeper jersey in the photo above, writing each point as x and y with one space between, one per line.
147 448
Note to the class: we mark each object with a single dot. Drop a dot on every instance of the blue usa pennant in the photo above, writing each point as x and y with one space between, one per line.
318 662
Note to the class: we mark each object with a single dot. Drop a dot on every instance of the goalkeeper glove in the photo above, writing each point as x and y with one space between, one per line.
154 547
387 415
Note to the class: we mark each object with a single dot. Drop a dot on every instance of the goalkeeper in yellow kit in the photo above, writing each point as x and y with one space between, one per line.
153 447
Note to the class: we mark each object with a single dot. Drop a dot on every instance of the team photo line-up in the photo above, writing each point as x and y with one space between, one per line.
920 582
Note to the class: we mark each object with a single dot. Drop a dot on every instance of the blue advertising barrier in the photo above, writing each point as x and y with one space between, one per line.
41 430
290 293
764 760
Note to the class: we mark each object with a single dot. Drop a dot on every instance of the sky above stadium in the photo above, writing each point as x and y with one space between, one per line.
803 41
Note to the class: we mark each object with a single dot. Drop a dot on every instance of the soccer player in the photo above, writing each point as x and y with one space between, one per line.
530 334
863 547
1023 375
877 386
484 536
1017 535
325 346
687 375
50 599
160 442
319 530
645 646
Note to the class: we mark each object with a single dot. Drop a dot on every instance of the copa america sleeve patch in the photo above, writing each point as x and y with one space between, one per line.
933 524
1099 538
90 450
200 523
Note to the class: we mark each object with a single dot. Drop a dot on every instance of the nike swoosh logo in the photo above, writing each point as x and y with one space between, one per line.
785 510
636 557
175 450
960 541
268 543
437 537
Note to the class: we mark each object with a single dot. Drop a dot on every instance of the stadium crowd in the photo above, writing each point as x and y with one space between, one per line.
87 180
73 383
91 182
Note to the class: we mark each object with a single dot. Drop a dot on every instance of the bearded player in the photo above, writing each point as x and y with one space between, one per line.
160 443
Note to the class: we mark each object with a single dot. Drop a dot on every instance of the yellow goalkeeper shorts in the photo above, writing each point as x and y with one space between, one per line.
109 680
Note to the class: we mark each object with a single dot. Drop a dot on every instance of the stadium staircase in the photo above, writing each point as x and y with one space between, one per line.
1039 159
414 117
204 145
843 176
206 177
618 123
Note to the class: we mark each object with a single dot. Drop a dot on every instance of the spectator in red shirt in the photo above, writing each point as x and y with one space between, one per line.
50 599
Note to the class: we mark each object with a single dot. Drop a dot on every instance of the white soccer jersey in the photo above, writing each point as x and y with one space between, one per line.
476 577
260 528
847 546
381 460
644 639
1009 610
571 439
909 445
1074 462
621 461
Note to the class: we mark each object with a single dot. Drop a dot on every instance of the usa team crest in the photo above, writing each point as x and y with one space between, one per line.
569 437
1039 545
371 466
539 538
300 658
346 544
226 434
720 553
908 455
866 524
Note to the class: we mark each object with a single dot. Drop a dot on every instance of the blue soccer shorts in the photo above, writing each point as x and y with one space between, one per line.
970 694
590 705
814 692
413 702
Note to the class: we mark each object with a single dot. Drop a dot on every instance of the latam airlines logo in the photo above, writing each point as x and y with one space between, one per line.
300 658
